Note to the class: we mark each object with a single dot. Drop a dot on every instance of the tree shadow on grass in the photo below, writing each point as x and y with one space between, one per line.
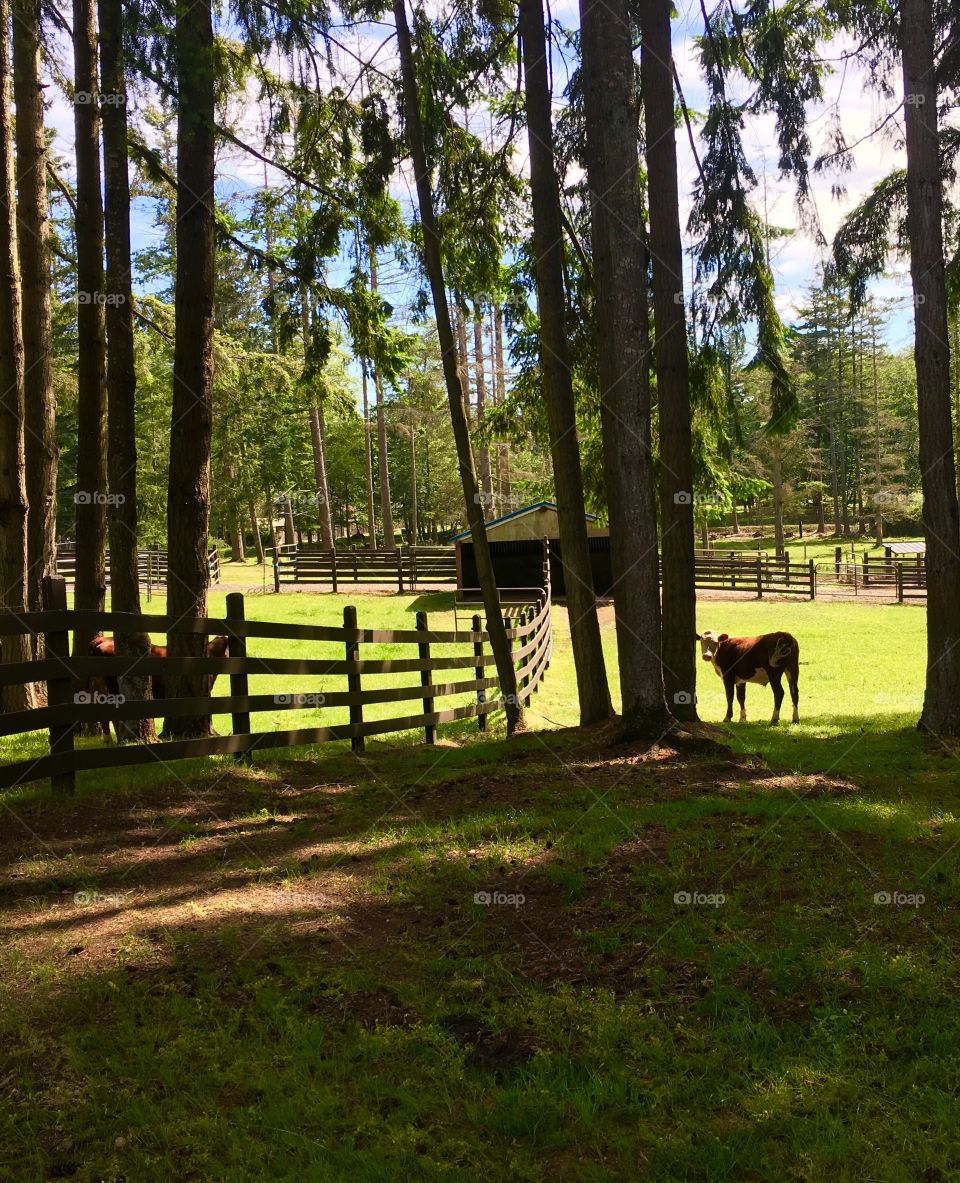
571 942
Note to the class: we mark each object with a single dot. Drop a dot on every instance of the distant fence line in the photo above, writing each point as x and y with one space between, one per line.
529 629
405 567
519 562
151 563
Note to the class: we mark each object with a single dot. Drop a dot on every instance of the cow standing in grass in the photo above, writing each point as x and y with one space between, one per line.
763 660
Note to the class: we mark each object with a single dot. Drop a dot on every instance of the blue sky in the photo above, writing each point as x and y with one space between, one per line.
795 259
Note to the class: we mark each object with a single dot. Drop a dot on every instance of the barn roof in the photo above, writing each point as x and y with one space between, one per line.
905 548
517 513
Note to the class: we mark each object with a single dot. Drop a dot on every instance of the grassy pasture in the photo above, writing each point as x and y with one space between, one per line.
284 971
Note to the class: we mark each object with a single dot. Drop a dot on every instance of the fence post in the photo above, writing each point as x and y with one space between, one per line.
866 568
813 580
759 578
899 578
838 558
59 689
508 625
333 569
239 686
276 571
426 677
786 565
400 570
537 610
478 670
353 680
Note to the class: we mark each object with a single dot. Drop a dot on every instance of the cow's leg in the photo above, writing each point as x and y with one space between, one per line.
792 679
776 685
742 700
728 684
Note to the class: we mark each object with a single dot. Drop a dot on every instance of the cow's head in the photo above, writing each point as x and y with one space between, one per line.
218 647
710 643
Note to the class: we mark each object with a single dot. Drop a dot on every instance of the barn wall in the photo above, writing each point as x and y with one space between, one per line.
519 563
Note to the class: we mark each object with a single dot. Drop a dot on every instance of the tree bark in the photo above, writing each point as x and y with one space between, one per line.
483 454
383 460
463 356
121 365
414 519
255 528
592 688
878 507
91 577
503 449
33 234
672 364
320 479
941 519
289 528
317 437
610 110
368 458
776 472
433 263
188 493
13 486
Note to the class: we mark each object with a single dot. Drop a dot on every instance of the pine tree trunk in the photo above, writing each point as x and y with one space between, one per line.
503 449
13 487
188 494
414 518
483 454
776 471
383 461
317 437
289 528
255 529
121 366
320 479
433 264
463 354
941 519
610 109
592 688
91 578
878 506
33 234
672 363
368 457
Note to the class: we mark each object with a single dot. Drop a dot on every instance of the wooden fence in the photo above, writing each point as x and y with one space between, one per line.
529 629
405 568
151 564
760 574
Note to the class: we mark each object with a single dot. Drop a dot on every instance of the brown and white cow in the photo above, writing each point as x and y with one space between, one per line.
763 660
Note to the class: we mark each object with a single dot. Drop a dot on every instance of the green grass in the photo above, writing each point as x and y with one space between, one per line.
299 984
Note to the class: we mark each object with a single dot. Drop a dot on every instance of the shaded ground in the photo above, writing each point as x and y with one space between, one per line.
559 960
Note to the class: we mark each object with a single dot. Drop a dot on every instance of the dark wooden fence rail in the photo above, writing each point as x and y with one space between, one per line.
151 563
465 671
757 574
405 567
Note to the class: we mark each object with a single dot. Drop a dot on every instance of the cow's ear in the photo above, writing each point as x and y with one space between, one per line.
724 637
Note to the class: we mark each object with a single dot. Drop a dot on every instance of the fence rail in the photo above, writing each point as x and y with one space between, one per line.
151 564
441 676
760 575
406 567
